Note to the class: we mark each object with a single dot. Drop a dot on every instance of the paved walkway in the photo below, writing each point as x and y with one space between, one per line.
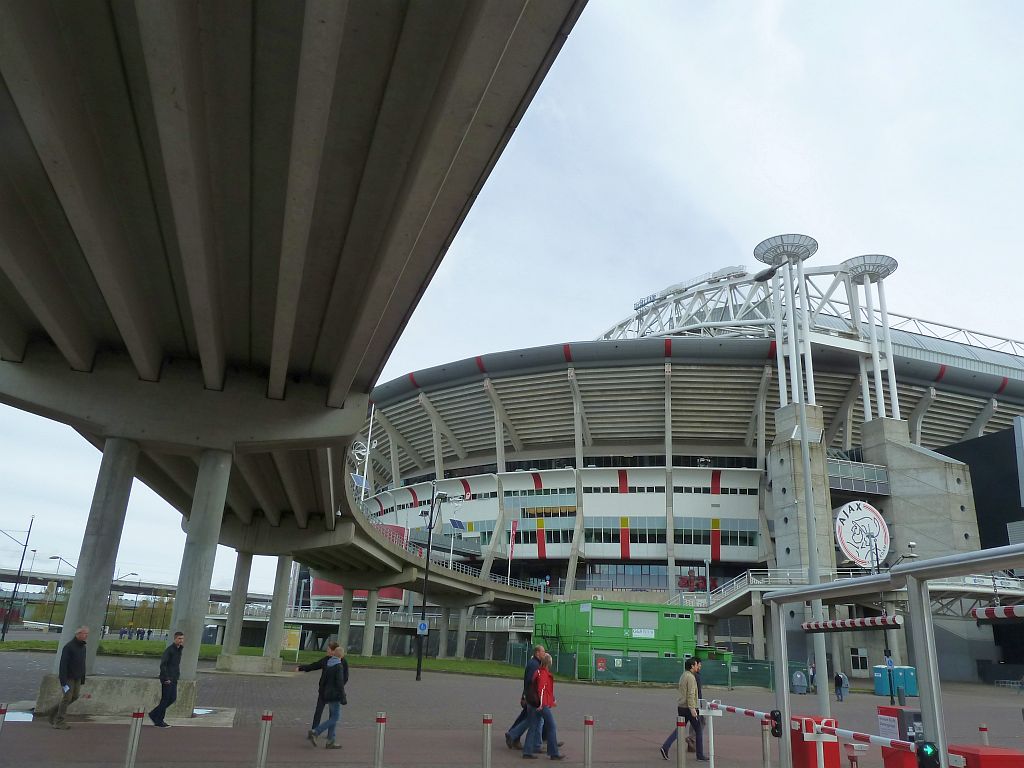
436 722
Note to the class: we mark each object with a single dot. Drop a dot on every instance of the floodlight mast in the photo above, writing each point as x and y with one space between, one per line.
779 251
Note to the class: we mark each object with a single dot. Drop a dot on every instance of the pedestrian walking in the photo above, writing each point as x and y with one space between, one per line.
149 634
71 676
519 727
539 702
334 696
322 666
170 670
812 669
687 709
840 684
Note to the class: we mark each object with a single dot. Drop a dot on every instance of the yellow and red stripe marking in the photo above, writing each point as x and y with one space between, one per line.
542 549
624 536
716 539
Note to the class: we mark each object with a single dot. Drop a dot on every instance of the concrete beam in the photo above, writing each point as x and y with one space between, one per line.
578 409
13 337
292 486
499 528
366 580
42 81
499 411
759 407
441 426
257 484
325 484
978 425
322 31
842 417
177 415
170 35
263 538
917 415
397 439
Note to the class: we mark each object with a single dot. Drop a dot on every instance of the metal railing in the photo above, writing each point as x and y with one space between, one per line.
399 619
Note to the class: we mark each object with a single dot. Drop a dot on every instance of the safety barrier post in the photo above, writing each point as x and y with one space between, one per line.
488 722
588 741
766 742
133 737
378 746
680 742
710 710
983 732
3 715
263 746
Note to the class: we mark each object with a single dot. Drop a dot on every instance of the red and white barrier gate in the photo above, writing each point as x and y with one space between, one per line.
999 612
848 625
766 724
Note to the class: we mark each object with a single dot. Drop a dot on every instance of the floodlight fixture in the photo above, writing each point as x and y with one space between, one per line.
780 249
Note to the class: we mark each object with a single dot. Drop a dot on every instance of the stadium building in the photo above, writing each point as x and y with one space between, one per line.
663 460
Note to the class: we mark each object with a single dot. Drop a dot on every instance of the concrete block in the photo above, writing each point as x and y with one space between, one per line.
109 695
259 665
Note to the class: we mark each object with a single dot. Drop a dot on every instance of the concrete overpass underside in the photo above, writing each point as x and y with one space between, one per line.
215 220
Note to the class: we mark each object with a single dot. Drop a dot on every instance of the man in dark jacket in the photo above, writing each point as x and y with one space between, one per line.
322 666
71 675
170 670
521 724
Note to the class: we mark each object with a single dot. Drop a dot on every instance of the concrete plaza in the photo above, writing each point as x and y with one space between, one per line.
436 722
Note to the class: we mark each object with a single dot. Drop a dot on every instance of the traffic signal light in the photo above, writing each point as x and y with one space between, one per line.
776 717
927 755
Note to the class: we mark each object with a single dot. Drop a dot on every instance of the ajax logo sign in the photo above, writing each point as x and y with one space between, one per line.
862 534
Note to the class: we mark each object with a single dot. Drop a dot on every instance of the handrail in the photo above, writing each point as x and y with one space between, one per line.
521 621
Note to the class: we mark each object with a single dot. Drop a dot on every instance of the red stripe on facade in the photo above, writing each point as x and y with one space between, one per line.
624 539
716 544
1003 385
536 481
480 364
412 380
623 482
415 499
942 372
716 481
381 505
542 545
772 349
668 347
567 353
465 488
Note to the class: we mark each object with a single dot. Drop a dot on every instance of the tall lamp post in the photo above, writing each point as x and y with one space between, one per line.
138 589
17 579
876 567
59 559
117 604
436 497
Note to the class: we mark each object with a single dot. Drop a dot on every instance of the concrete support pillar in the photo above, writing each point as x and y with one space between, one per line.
489 646
757 619
385 639
345 625
460 634
670 526
892 636
88 600
370 624
702 633
236 610
193 596
442 633
220 635
278 608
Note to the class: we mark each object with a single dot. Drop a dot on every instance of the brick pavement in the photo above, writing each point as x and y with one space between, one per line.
437 722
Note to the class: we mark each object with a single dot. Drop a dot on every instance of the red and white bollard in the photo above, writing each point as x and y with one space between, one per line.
983 733
488 722
3 715
263 746
588 741
680 742
378 746
766 742
133 737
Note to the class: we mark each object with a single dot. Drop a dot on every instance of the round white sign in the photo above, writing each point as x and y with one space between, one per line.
862 534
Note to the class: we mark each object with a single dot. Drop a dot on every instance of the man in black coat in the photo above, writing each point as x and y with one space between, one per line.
519 727
322 666
71 674
170 671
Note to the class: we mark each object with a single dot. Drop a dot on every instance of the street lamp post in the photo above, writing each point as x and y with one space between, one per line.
117 604
17 579
59 559
436 497
138 589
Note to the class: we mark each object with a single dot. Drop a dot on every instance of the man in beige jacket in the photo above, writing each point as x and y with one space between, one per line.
687 709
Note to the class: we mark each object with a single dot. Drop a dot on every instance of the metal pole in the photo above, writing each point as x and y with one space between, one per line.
873 336
426 581
378 745
3 714
983 733
923 633
781 683
794 356
780 355
806 317
711 740
588 741
890 361
17 580
488 722
766 743
369 447
263 745
133 737
819 752
680 742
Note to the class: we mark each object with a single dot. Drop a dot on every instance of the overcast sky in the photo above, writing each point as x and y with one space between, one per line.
668 140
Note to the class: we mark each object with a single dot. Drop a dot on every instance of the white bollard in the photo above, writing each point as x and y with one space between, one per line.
588 741
263 746
133 737
488 722
378 746
983 732
766 742
3 715
680 742
709 713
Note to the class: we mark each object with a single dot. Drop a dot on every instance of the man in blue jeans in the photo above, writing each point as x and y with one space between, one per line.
170 671
521 724
689 695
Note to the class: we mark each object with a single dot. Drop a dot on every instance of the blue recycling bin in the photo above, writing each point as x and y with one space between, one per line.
906 678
